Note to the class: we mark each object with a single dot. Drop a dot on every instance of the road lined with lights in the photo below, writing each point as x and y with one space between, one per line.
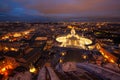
110 57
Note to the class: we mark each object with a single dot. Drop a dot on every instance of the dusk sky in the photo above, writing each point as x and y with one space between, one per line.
60 8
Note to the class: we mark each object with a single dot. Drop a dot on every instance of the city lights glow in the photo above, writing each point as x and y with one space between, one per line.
74 40
8 64
111 58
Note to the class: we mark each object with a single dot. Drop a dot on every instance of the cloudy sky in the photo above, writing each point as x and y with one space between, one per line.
60 7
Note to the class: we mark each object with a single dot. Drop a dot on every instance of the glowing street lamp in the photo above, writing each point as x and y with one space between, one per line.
60 60
6 49
32 69
63 53
84 57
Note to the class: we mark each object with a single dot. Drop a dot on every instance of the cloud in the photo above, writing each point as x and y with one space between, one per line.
5 5
23 11
104 7
62 7
15 8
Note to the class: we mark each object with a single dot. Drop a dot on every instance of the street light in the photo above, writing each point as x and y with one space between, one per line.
32 69
60 60
63 53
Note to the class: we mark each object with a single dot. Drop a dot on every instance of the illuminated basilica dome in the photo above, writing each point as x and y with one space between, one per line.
73 40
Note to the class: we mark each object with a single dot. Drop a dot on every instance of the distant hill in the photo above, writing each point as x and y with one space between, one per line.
56 19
